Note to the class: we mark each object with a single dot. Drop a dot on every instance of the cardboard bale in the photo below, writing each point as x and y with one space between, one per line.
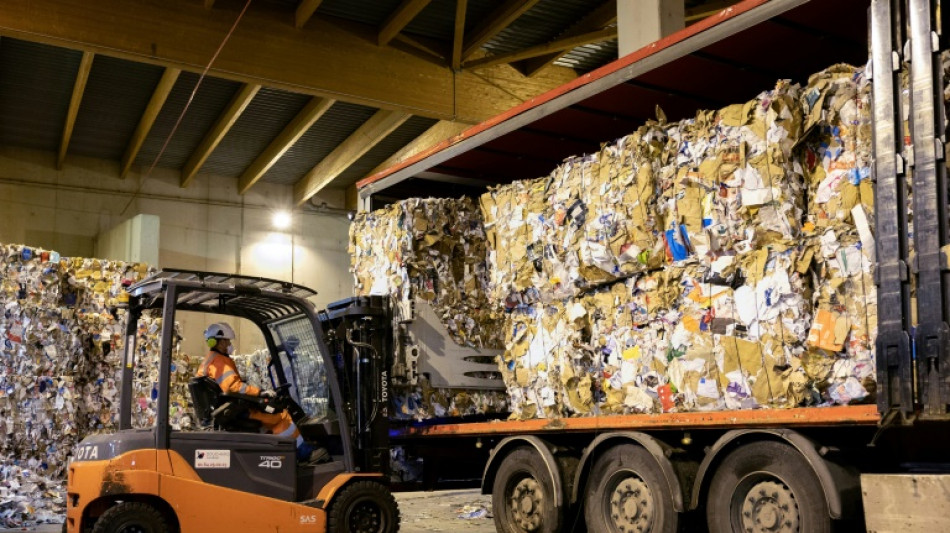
730 182
548 373
591 221
840 223
62 335
668 278
433 250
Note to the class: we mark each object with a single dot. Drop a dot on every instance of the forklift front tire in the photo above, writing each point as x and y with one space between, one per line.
364 507
130 517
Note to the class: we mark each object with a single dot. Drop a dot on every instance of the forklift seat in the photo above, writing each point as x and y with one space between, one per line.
217 410
204 395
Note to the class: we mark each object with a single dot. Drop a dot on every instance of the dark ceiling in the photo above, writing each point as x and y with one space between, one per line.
37 81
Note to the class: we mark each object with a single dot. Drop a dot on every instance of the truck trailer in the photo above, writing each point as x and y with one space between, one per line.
799 469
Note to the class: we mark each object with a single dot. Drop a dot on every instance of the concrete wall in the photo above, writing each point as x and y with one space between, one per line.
207 226
134 240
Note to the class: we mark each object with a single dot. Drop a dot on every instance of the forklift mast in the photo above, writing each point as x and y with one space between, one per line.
359 335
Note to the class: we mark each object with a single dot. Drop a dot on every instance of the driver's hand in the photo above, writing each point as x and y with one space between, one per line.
269 394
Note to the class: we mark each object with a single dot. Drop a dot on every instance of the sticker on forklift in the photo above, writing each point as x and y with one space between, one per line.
212 458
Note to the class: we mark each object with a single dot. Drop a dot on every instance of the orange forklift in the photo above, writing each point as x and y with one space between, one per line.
329 369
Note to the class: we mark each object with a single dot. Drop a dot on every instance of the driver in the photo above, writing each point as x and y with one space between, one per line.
219 367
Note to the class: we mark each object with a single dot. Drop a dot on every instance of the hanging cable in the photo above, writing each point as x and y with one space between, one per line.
191 97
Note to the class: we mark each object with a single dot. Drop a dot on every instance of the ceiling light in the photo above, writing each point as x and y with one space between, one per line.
282 219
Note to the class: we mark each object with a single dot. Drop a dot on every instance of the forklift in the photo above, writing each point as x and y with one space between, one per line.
329 370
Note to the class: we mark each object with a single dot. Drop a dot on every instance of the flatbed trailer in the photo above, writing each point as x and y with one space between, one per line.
799 469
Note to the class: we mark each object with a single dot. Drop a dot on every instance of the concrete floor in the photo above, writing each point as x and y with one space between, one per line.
422 512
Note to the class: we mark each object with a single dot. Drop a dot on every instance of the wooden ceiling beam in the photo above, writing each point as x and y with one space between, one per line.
333 59
154 107
79 87
221 127
399 19
461 7
414 46
291 133
361 141
600 17
209 4
500 19
438 132
305 10
560 45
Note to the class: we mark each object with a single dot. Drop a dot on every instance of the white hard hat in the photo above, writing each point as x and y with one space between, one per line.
220 330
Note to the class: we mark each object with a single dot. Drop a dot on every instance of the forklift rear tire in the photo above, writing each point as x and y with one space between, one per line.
364 507
131 517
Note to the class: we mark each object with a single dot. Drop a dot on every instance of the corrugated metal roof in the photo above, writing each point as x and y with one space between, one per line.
393 142
437 20
35 87
338 123
116 96
210 101
265 117
373 13
540 24
589 57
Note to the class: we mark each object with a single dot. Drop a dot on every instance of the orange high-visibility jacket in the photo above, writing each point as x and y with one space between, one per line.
221 368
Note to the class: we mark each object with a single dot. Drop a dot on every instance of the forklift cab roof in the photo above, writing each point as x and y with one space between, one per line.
260 300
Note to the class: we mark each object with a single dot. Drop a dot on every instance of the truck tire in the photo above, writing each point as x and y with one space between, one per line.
627 491
131 517
766 486
363 507
522 495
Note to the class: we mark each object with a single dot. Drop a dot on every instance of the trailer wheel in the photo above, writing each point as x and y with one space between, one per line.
627 492
766 486
523 495
364 507
131 517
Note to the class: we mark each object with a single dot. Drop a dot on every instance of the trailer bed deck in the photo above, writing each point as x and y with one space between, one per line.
849 415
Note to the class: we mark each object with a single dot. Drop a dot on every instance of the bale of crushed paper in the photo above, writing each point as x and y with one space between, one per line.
661 274
723 182
737 274
836 156
592 220
432 249
62 335
691 338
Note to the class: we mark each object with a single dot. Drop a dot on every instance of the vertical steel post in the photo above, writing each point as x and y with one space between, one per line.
165 366
930 208
894 365
128 364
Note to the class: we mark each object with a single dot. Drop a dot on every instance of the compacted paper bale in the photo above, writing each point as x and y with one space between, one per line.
61 336
840 226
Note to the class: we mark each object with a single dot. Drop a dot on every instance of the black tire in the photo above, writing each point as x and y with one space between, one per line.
131 517
627 489
363 507
522 495
766 486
